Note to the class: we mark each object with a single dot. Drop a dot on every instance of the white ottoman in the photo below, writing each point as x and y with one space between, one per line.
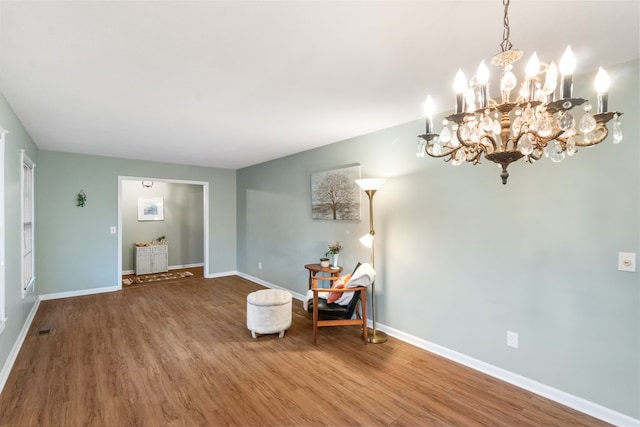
268 312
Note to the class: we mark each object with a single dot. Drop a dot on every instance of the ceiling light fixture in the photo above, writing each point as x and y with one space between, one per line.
532 126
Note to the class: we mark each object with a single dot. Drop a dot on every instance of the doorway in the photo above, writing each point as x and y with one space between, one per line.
180 218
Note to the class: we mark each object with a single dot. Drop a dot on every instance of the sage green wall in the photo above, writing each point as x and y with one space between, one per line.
75 250
462 258
17 308
182 224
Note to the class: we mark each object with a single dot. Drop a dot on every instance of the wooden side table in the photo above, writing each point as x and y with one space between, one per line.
317 268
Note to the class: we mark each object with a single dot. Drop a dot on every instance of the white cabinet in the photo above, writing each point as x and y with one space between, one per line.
152 259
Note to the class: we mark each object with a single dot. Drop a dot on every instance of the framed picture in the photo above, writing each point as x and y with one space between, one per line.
150 209
335 194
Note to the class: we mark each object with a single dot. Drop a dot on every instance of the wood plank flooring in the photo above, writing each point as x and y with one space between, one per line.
179 354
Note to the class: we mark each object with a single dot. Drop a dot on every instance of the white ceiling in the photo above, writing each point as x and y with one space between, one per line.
235 83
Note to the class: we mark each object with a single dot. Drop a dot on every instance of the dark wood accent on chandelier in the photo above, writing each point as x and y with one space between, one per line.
179 353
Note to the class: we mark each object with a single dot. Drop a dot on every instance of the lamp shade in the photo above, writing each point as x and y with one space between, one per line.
367 240
370 183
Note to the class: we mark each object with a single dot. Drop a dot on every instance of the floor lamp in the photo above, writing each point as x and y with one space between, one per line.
370 186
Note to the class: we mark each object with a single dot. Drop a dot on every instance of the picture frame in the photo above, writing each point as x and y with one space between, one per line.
335 195
150 208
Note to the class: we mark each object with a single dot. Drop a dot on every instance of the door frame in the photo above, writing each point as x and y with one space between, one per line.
205 216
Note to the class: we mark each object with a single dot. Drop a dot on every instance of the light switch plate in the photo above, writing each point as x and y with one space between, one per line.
113 230
627 261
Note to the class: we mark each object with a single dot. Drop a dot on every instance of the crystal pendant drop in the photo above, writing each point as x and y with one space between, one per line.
436 148
508 82
454 139
567 121
445 135
517 126
420 149
617 131
555 152
571 146
465 132
587 123
475 135
528 115
544 128
496 127
486 123
457 158
525 145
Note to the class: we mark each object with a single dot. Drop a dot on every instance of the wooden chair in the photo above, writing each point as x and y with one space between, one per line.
327 314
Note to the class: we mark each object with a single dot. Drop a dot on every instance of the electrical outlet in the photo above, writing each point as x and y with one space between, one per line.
259 265
512 339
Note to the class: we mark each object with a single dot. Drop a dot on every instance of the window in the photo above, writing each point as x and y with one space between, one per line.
3 317
28 259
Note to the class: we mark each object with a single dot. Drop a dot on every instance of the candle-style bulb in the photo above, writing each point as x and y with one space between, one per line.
429 107
460 83
567 66
602 86
602 81
460 87
533 66
482 75
567 62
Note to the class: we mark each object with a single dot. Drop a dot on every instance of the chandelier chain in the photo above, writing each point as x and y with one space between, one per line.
506 44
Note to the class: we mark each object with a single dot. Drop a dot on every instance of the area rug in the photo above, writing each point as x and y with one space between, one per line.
148 278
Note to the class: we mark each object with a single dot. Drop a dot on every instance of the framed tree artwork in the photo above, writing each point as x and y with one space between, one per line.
335 195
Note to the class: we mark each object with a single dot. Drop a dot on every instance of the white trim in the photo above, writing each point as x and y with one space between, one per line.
3 319
25 160
171 267
575 402
264 283
205 216
13 354
221 274
79 293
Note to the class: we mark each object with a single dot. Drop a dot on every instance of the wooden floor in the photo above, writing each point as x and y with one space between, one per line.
179 353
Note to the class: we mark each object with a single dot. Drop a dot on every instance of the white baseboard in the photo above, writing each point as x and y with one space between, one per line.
13 354
271 285
575 402
222 274
171 267
80 292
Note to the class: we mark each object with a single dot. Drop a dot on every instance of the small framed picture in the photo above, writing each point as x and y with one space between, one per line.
150 209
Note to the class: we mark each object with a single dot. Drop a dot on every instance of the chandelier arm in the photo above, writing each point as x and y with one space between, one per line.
491 139
602 132
476 159
448 153
475 145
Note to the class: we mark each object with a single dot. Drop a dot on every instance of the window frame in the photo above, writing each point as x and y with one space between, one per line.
3 316
27 195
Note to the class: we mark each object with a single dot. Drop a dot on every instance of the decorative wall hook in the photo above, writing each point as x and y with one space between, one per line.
81 199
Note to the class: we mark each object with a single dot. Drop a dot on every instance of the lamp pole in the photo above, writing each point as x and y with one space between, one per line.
370 186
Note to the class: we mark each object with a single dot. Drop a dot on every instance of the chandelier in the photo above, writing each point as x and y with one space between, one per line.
534 125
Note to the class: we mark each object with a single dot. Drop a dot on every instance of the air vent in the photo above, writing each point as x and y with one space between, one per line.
45 331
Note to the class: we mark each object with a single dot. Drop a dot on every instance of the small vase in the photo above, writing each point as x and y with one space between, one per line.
334 260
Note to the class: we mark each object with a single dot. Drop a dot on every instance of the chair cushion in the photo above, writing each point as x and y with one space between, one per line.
329 311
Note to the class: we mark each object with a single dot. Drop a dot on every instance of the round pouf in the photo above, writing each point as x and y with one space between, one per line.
268 312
